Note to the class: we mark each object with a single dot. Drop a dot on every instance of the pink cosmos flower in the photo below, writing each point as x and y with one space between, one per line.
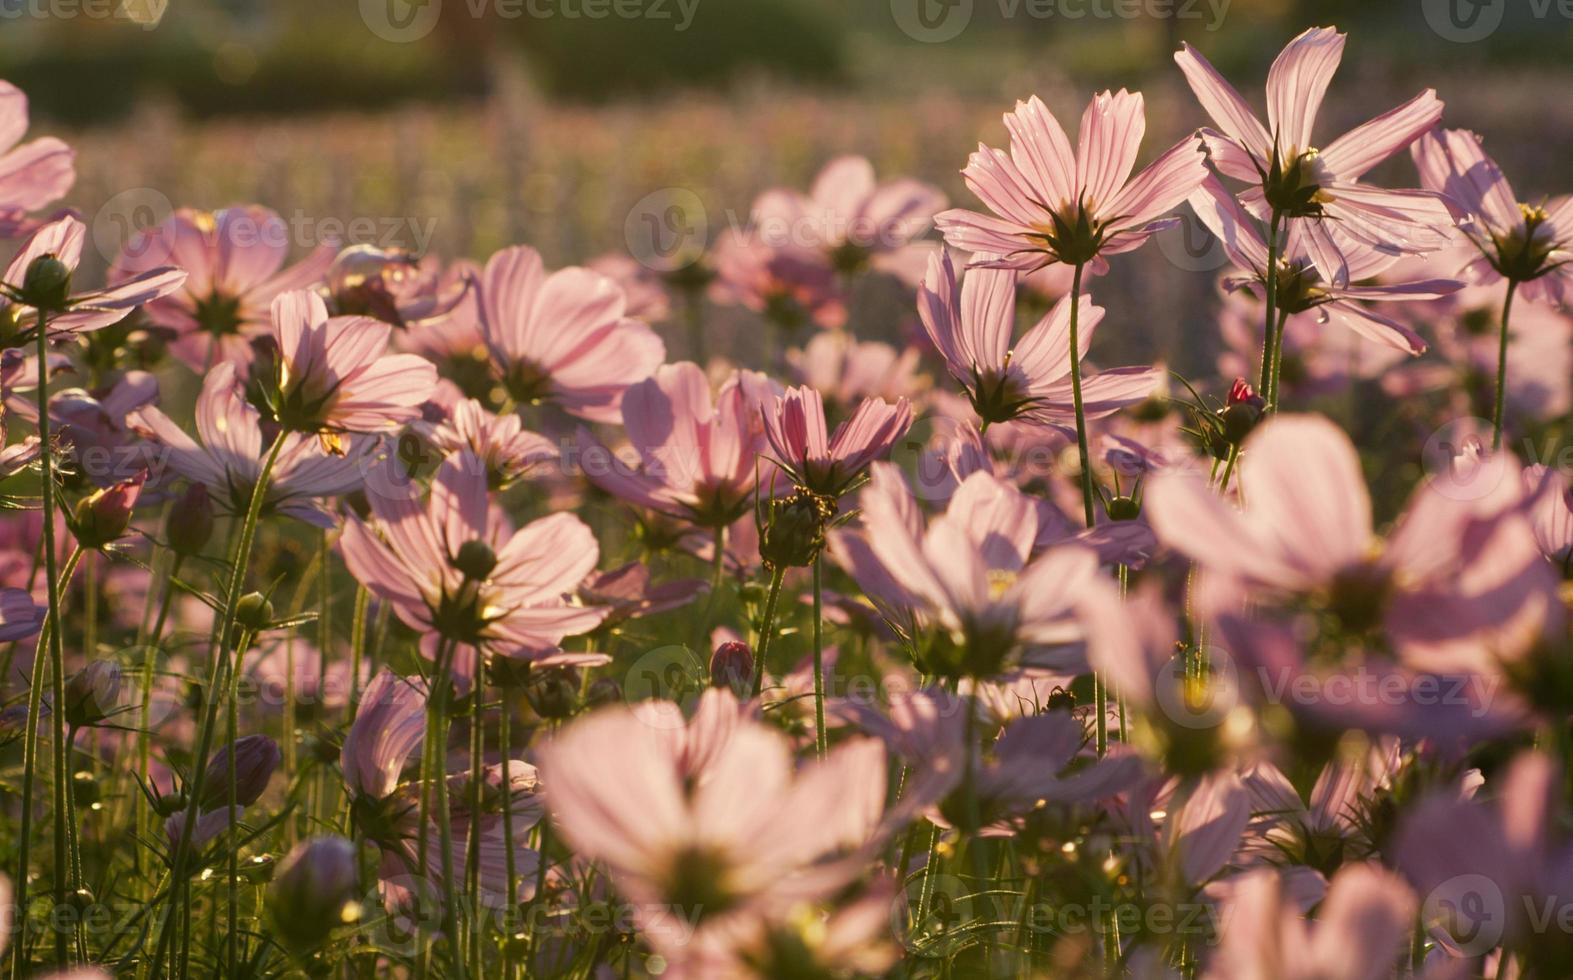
20 617
746 840
845 369
1529 244
1052 206
94 428
562 337
1515 867
1316 361
392 285
1458 583
1319 189
789 285
389 726
1301 287
971 576
234 262
230 456
795 426
500 441
644 287
31 174
457 572
332 374
848 216
1551 513
1029 379
1361 928
697 457
80 312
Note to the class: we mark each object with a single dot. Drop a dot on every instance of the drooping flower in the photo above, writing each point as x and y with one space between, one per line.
333 375
40 276
229 458
972 324
1050 205
562 337
457 572
234 262
32 174
848 216
697 457
1300 285
1319 189
1531 244
829 464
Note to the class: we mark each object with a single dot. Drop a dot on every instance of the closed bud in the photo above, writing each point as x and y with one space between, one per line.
254 612
602 692
256 756
191 521
1124 509
1241 411
732 666
475 560
554 692
92 694
103 515
314 892
47 284
795 530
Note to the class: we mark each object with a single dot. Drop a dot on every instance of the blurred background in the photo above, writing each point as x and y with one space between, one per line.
460 126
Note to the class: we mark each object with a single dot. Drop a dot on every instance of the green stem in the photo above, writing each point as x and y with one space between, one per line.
1278 359
1081 414
767 628
150 647
1501 400
505 737
1271 288
35 698
437 730
477 800
217 677
232 803
819 669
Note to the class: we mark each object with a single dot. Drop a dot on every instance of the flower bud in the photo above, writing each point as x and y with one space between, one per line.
256 756
794 533
475 560
46 285
554 692
103 515
254 612
1124 509
92 694
191 522
314 892
1241 412
732 666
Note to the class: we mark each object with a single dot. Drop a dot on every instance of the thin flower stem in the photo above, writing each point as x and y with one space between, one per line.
150 647
358 641
437 731
217 676
1081 414
1501 399
477 801
1269 357
767 628
1278 359
505 739
232 802
35 697
819 669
